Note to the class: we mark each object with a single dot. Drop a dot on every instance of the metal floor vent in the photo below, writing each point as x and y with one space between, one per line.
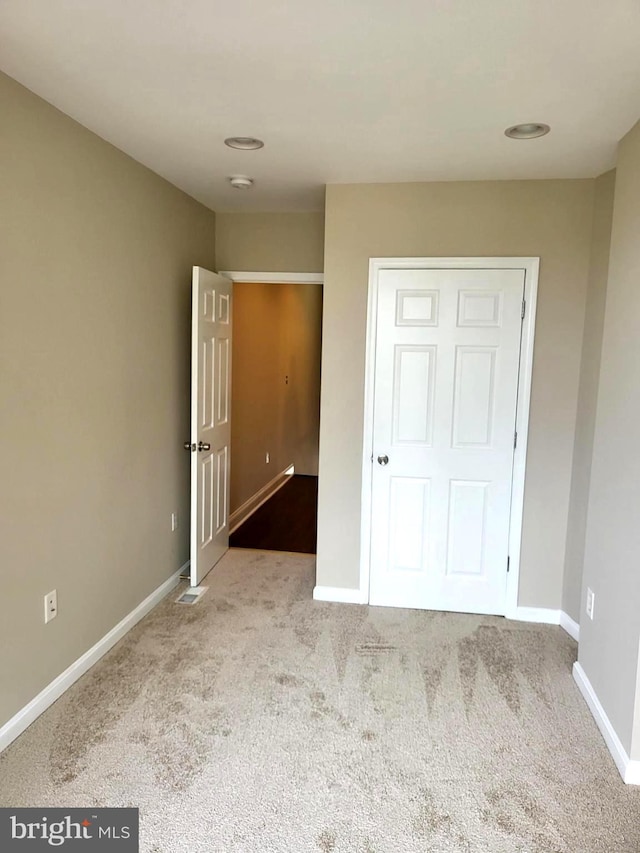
191 594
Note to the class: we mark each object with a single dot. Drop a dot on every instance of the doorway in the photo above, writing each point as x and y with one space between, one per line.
287 521
275 410
450 344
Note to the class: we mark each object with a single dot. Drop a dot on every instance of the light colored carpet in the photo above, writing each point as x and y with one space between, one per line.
259 720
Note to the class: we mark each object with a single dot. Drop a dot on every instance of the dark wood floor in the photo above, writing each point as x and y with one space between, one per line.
286 522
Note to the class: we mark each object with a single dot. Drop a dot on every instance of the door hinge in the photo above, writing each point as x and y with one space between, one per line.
508 562
524 308
515 439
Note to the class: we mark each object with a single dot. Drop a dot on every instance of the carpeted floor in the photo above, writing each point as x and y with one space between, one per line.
259 720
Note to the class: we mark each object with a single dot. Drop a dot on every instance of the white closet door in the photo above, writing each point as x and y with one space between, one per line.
446 380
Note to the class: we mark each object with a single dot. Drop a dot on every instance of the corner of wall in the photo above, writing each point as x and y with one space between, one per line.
602 221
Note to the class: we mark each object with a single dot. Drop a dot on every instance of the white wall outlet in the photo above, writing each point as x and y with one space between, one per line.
591 600
50 605
174 521
267 458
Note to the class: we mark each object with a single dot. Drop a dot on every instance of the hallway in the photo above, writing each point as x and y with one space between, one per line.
286 522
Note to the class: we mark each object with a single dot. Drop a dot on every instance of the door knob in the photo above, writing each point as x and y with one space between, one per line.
202 445
188 446
383 460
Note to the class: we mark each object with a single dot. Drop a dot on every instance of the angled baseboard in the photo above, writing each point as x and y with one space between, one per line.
570 626
240 515
53 691
629 770
339 594
542 615
546 616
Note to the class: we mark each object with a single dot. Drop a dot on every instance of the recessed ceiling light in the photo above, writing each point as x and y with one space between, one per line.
244 143
530 130
241 182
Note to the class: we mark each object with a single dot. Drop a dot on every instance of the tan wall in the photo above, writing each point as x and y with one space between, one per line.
550 219
96 254
609 644
588 393
270 242
276 334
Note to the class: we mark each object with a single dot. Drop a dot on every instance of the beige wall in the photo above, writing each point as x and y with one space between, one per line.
588 393
550 219
609 644
276 334
270 242
95 254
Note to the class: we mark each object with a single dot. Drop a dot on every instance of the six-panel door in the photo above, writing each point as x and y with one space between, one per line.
210 420
446 379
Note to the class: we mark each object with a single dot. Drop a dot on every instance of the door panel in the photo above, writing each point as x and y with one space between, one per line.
223 387
413 394
210 420
445 392
473 397
207 505
207 386
467 527
409 516
222 488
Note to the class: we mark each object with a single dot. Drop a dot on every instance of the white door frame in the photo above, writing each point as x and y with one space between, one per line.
274 277
239 515
531 268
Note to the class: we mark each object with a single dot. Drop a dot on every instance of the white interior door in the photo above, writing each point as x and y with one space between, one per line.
445 393
210 419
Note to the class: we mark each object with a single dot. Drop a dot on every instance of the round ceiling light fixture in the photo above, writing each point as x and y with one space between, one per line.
244 143
241 182
530 130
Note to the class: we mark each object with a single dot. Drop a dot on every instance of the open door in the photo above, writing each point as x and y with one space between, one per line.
210 420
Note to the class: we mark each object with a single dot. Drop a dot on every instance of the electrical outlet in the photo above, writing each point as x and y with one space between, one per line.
591 600
267 458
174 521
50 605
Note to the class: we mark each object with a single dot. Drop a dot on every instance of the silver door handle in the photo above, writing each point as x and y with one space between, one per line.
188 446
383 460
202 445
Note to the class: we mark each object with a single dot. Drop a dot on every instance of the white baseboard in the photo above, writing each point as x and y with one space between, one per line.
339 594
53 691
535 614
570 626
629 770
542 615
546 616
243 512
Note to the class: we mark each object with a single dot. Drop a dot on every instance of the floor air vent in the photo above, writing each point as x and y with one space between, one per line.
191 594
